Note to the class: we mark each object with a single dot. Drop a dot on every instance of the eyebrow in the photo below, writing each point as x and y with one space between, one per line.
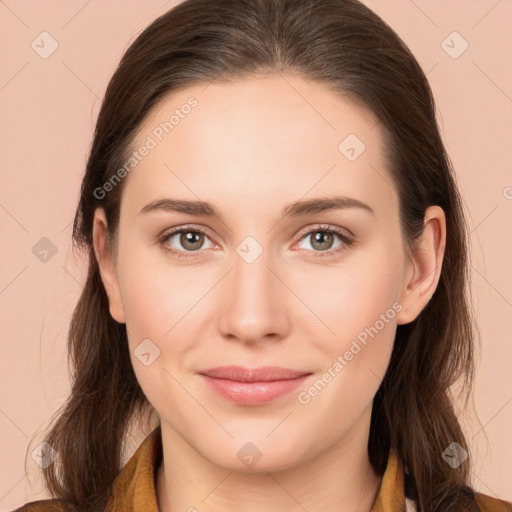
296 209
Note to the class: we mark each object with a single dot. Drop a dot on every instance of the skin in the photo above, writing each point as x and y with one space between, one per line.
250 147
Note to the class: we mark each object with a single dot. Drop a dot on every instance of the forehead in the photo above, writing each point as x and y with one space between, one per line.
275 138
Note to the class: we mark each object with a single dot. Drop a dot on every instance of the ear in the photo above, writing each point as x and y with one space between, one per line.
107 265
424 266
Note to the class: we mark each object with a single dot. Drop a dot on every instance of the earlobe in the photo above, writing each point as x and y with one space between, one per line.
107 266
424 266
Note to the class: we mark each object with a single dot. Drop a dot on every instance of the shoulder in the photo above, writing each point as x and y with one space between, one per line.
489 504
49 505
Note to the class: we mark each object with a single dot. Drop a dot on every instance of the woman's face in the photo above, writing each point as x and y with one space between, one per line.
262 284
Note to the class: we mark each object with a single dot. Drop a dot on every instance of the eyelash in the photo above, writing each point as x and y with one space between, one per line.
346 239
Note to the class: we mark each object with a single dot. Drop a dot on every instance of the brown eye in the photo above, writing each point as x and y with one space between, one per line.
191 240
321 240
185 240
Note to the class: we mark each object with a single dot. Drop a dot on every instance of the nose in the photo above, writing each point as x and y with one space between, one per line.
254 304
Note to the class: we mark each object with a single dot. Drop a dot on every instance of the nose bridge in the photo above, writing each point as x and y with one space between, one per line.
253 303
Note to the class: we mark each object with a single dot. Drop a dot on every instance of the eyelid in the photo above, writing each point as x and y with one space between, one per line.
325 227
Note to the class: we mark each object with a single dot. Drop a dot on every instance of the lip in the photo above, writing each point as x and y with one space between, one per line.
253 386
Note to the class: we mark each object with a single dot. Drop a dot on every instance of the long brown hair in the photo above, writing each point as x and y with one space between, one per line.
348 48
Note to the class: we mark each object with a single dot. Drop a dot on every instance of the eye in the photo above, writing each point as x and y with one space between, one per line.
188 239
322 240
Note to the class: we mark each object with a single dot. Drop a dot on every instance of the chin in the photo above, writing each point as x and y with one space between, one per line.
246 454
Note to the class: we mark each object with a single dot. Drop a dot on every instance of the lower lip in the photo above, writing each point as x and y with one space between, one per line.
253 393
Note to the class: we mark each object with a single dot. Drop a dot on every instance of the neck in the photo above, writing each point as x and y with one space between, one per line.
341 479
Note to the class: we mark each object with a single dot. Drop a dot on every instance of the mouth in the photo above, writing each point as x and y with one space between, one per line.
253 386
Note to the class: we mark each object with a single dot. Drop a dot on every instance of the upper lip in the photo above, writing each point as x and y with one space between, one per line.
242 374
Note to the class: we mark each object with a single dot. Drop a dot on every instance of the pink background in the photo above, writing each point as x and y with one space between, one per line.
49 107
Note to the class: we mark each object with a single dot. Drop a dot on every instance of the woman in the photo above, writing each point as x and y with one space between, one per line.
277 274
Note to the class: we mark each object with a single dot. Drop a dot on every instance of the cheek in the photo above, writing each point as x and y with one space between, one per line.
165 304
156 299
352 295
360 307
157 293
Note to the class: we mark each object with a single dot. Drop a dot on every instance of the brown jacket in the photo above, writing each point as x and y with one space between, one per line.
135 486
